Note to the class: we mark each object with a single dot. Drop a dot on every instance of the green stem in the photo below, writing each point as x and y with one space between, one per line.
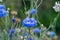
37 16
54 22
8 17
39 3
35 3
16 25
25 6
31 4
6 22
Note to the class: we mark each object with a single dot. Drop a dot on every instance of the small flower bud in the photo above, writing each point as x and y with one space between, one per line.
14 13
18 20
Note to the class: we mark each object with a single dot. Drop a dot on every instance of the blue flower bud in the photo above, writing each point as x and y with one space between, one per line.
51 33
13 20
33 11
30 39
37 30
11 32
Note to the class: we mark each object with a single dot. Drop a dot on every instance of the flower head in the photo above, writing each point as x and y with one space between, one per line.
18 20
51 33
14 13
33 11
11 32
13 20
30 38
36 30
57 7
29 22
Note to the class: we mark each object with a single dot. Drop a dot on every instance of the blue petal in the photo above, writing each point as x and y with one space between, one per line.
2 6
2 13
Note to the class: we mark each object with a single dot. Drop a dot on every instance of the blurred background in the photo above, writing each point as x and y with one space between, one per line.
46 13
